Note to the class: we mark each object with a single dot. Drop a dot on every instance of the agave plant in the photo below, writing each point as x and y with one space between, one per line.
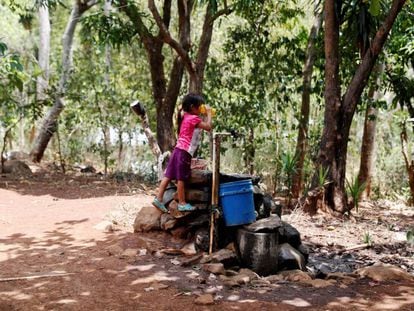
355 189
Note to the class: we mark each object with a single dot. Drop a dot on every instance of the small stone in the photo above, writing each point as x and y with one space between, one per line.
159 286
105 226
129 252
260 283
274 278
158 254
189 249
319 283
295 276
216 268
212 277
191 261
206 299
251 274
142 252
114 250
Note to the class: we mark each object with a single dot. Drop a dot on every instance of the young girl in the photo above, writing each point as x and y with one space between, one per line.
189 129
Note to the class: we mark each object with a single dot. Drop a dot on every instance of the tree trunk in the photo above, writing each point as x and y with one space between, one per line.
339 113
249 152
42 82
301 145
165 97
48 127
328 156
368 139
409 163
196 78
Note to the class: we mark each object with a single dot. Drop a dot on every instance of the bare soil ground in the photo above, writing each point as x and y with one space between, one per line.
48 228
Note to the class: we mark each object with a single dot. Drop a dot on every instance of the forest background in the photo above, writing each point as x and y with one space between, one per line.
275 71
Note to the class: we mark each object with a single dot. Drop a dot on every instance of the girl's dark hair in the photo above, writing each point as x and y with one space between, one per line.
189 101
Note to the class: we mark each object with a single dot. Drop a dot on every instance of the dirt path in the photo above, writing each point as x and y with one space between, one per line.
47 227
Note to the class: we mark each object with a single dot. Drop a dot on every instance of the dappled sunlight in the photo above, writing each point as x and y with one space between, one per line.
233 298
191 274
15 294
66 301
137 296
146 267
247 301
297 302
403 297
157 276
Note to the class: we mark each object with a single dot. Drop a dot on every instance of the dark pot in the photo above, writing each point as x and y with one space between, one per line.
258 251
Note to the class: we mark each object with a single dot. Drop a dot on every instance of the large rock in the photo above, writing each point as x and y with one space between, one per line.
289 234
382 272
17 168
147 219
269 224
290 258
167 221
227 257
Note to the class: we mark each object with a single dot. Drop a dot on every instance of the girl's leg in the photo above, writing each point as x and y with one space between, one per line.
161 189
182 205
181 192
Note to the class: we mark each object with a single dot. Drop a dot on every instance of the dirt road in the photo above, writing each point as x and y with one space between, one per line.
56 259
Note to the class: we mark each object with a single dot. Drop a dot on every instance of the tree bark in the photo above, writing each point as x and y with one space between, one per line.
42 82
165 95
409 163
328 156
301 145
339 113
49 125
368 139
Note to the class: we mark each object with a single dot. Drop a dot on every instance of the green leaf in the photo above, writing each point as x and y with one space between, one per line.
3 48
375 7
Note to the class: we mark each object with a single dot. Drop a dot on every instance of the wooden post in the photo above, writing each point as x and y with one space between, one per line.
215 187
215 184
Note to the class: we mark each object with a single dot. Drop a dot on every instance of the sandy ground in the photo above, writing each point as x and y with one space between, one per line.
48 233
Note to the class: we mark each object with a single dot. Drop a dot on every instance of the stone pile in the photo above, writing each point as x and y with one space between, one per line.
291 253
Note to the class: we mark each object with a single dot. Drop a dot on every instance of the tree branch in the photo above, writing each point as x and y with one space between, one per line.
167 38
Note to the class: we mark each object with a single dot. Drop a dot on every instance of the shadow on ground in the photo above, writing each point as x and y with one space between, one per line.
103 275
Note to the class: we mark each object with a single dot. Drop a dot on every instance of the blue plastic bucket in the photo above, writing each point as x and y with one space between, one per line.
236 200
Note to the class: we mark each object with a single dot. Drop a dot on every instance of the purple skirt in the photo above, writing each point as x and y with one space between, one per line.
179 165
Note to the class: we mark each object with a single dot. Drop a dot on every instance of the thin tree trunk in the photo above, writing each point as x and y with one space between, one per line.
301 145
368 139
48 127
42 82
409 164
120 149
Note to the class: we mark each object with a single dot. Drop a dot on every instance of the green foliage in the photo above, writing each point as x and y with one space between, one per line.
112 28
12 79
367 238
288 166
410 236
322 175
355 189
252 89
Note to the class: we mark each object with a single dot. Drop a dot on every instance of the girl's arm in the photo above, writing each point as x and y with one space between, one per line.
206 125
